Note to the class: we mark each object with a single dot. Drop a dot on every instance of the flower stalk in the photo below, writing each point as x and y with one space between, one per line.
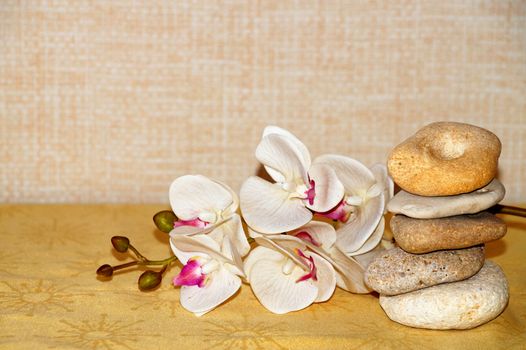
148 279
510 210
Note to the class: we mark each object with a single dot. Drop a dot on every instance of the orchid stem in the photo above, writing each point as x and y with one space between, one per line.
137 254
123 266
166 262
510 210
164 269
145 261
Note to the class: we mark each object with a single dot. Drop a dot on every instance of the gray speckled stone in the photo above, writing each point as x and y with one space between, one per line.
459 305
421 207
396 271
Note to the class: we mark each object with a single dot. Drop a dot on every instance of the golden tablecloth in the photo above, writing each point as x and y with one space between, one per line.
50 296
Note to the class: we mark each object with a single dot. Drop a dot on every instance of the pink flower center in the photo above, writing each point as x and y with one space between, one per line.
191 274
307 237
341 212
312 267
194 222
311 192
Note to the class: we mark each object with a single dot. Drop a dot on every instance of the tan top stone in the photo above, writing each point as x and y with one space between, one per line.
461 231
396 271
445 158
459 305
421 207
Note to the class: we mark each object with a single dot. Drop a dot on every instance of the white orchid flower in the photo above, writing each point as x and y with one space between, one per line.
287 277
300 187
207 206
320 237
384 180
366 194
210 275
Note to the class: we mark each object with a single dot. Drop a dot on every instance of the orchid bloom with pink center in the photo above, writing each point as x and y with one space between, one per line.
206 206
193 223
300 187
309 260
192 274
363 206
287 277
320 238
211 273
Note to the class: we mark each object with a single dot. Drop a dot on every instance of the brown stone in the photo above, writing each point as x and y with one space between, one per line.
461 231
445 158
396 271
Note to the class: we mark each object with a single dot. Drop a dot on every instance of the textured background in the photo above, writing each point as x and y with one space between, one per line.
109 101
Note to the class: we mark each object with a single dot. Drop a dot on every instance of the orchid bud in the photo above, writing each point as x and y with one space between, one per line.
149 280
164 220
120 243
105 270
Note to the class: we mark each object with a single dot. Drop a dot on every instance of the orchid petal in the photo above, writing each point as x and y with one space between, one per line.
253 234
373 240
275 151
365 259
321 233
187 230
354 200
220 286
360 227
192 196
325 277
185 253
299 146
354 176
350 273
382 177
268 209
235 199
259 253
286 245
375 190
233 229
191 230
295 144
278 292
329 190
188 246
229 250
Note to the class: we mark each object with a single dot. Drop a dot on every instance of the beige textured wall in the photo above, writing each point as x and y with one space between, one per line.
109 101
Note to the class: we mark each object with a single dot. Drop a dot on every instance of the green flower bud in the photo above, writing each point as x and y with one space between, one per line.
120 243
105 270
164 220
149 280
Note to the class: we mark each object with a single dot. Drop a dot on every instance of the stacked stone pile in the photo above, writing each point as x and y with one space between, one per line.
437 277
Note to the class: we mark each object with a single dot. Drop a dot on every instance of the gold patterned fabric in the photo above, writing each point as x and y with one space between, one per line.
109 101
50 297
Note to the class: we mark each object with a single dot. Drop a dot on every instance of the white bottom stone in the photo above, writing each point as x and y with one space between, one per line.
458 305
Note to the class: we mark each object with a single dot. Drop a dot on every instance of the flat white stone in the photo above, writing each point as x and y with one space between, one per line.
458 305
421 207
